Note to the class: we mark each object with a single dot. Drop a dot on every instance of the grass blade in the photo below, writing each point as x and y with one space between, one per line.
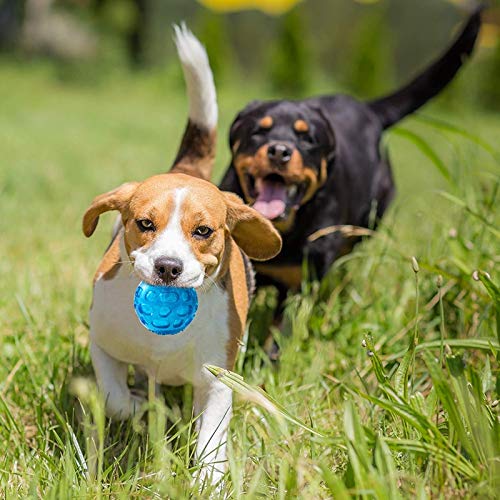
258 396
426 149
401 375
449 127
483 344
453 458
461 203
385 466
449 402
375 360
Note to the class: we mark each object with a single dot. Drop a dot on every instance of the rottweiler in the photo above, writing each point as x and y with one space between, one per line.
316 165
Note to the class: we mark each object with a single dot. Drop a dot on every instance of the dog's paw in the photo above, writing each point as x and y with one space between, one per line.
125 407
209 480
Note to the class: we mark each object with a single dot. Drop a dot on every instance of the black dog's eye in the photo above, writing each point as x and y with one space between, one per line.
145 225
202 232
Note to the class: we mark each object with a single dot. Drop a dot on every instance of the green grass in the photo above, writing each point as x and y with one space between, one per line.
388 381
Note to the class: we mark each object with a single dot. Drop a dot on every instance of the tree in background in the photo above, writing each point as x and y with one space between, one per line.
11 14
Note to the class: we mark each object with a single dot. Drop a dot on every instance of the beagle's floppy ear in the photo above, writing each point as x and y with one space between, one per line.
112 200
252 232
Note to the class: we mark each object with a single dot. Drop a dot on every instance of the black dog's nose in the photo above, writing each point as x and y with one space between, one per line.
168 269
280 154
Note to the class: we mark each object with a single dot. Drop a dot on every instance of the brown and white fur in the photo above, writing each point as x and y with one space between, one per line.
178 229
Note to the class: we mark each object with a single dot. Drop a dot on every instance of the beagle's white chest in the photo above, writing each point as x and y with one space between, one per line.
172 359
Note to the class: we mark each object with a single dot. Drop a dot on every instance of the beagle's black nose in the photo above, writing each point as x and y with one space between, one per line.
168 269
279 154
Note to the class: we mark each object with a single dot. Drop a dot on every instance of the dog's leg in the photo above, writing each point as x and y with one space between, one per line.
323 252
111 377
213 409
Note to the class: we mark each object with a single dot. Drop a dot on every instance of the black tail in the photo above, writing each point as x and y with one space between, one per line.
394 107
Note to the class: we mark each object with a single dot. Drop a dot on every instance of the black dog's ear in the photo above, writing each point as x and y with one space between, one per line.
235 130
329 132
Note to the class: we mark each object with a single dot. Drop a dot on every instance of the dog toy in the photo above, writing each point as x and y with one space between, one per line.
165 310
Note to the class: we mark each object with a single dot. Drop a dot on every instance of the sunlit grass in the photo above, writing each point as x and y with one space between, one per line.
352 411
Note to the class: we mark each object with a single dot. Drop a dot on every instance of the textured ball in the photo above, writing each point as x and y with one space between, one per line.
165 310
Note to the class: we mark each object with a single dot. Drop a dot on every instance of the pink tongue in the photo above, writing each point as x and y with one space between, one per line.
271 201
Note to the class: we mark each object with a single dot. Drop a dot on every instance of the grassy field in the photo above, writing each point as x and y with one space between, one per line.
388 381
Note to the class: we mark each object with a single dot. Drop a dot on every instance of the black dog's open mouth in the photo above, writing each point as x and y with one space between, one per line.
274 196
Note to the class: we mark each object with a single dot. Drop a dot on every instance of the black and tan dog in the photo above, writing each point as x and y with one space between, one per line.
316 163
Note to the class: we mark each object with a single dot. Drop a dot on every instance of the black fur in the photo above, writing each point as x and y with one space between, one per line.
347 133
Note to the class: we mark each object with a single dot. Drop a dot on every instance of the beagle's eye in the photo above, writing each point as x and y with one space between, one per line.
145 225
202 232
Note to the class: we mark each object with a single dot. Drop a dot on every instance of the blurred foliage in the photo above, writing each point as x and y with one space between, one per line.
370 66
289 63
11 14
213 30
491 83
364 47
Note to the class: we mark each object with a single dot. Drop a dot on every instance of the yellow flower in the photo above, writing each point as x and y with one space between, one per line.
274 7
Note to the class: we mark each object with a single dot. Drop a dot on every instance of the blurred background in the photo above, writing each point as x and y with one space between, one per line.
365 47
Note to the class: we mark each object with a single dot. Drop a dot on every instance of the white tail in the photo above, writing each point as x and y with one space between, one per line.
199 78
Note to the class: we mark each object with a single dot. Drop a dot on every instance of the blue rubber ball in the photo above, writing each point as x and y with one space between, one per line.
165 310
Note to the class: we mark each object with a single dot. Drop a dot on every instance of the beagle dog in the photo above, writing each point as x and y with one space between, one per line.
178 229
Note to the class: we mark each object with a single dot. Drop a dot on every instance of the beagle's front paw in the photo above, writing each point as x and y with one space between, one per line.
210 477
125 406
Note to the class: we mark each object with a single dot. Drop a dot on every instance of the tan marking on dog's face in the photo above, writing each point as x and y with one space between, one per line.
312 180
301 126
323 171
236 145
266 122
252 168
150 202
205 211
